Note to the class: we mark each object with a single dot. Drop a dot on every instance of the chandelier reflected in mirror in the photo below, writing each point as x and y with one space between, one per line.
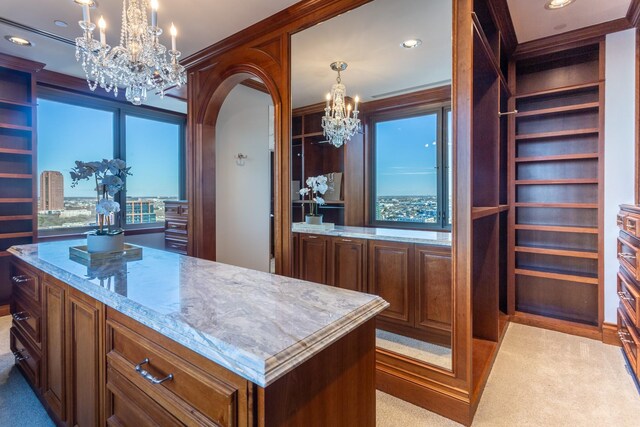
139 64
340 121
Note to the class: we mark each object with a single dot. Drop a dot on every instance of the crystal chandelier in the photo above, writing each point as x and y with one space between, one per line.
339 122
139 63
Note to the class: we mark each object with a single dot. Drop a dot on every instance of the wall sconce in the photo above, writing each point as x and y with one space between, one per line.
240 158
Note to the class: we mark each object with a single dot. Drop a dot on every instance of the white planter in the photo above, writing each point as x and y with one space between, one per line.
105 243
313 219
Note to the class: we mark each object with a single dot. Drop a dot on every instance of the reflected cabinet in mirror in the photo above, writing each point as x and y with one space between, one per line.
371 116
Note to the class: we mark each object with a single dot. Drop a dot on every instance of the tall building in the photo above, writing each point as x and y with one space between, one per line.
51 191
140 212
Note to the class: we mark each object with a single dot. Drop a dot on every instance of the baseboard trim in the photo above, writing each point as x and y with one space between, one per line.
5 310
610 334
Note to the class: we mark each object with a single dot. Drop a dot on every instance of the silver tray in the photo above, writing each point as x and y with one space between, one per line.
130 253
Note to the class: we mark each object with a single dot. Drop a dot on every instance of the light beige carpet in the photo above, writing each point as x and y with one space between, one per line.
542 378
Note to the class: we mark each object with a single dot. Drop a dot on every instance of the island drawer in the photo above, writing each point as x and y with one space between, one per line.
178 228
26 356
127 405
26 283
176 245
193 395
628 256
630 298
27 318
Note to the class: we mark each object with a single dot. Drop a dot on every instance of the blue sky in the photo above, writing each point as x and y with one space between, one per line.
406 156
67 133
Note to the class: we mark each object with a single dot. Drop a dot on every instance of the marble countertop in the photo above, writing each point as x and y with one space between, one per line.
390 234
255 324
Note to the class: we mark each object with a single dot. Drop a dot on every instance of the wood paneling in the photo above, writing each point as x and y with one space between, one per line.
54 378
84 332
610 334
433 288
391 270
348 264
314 257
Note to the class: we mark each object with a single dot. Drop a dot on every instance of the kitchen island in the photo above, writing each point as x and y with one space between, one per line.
174 340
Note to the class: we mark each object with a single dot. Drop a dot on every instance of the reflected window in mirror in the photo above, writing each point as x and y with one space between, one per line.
411 171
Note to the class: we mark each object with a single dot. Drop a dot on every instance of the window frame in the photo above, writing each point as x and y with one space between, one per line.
441 109
120 112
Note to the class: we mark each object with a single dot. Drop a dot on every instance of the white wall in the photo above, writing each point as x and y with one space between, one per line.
243 193
619 153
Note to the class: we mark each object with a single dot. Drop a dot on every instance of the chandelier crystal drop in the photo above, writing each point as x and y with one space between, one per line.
139 64
339 122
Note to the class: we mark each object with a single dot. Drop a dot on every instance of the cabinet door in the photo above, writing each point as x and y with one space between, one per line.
391 277
433 282
295 241
54 368
313 258
347 266
85 355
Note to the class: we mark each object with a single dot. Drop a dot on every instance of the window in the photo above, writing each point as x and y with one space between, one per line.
77 127
156 177
411 169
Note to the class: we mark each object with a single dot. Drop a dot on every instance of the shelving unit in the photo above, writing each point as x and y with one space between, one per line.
556 217
313 156
18 200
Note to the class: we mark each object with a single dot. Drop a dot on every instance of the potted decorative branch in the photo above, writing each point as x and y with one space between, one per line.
110 178
316 186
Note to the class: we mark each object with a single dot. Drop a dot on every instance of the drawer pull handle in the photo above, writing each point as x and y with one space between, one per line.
627 256
631 227
624 296
21 316
21 279
19 356
622 336
347 240
147 376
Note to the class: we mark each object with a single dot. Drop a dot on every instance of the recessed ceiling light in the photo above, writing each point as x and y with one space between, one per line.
60 23
557 4
92 3
411 43
18 40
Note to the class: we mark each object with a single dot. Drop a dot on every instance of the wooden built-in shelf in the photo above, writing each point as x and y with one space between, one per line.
542 250
15 151
16 200
557 158
16 217
557 275
16 103
555 181
486 46
16 235
16 127
307 135
326 202
557 228
16 175
558 134
559 110
558 90
481 212
484 353
556 205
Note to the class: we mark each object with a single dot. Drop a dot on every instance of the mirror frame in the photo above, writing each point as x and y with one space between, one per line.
264 50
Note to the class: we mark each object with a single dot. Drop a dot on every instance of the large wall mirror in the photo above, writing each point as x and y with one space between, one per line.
395 173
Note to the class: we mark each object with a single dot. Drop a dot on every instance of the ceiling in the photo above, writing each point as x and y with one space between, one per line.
200 23
369 39
532 21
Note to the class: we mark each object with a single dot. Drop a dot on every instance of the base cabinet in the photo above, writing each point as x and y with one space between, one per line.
414 279
54 385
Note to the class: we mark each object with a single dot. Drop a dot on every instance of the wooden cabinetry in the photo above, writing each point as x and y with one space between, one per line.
18 198
54 378
348 263
391 277
629 286
176 231
313 259
414 279
557 185
312 155
433 287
